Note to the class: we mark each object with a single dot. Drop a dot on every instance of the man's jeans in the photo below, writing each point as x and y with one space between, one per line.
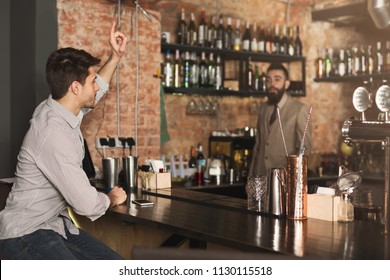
49 245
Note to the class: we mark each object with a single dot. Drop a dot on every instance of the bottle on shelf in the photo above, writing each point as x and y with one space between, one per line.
363 62
202 29
186 70
256 79
250 76
386 58
342 69
263 80
211 33
177 70
218 74
182 29
291 41
276 40
370 60
349 62
261 41
246 37
194 71
254 47
237 37
298 43
268 40
320 64
220 33
356 61
192 33
203 78
283 46
335 64
329 63
211 71
192 160
379 58
168 69
227 42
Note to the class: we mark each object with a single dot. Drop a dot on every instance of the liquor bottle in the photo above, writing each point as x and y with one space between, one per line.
283 47
202 30
379 58
257 79
246 38
177 71
276 40
342 63
370 60
186 70
192 34
237 37
220 33
218 74
386 57
200 166
320 64
211 71
263 80
268 41
254 47
203 78
298 43
363 61
211 33
335 64
349 62
182 29
291 42
192 160
250 76
194 71
261 43
168 69
356 60
227 42
328 62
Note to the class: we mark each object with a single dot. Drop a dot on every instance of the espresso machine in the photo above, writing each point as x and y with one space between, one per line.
363 130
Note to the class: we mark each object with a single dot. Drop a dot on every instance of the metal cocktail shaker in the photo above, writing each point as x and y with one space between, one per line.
276 194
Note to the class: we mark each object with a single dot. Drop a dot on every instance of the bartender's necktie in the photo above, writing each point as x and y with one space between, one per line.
273 116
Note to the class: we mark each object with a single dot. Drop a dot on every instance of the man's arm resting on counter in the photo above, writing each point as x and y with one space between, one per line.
117 196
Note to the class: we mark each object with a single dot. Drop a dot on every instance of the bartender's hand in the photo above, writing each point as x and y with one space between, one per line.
117 196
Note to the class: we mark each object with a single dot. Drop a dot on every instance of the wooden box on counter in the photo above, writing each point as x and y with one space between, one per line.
323 207
158 181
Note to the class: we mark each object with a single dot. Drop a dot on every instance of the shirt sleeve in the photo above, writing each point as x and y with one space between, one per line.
58 160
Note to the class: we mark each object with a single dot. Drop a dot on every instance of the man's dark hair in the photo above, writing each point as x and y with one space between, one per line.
278 66
65 66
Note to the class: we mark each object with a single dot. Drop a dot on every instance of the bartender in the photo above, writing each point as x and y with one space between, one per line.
269 150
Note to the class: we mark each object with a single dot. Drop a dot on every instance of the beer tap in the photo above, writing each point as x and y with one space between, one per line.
363 130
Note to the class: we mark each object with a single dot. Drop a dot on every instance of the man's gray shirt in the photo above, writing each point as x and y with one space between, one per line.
49 175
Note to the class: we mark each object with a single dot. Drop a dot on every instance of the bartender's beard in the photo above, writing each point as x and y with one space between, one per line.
274 98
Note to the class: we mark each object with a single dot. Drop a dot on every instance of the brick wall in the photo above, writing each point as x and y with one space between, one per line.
86 24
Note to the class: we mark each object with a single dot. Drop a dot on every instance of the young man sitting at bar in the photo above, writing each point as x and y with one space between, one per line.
35 223
269 150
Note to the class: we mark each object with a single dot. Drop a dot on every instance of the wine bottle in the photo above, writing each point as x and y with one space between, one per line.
192 160
218 74
237 37
203 78
283 47
168 69
202 30
261 43
328 62
192 34
276 40
182 29
349 62
211 33
257 79
268 41
370 60
227 42
291 41
220 33
363 61
177 70
320 64
379 58
356 60
246 38
254 43
342 63
298 43
194 71
211 71
186 70
250 76
263 80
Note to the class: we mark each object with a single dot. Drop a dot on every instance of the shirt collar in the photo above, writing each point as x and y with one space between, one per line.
70 118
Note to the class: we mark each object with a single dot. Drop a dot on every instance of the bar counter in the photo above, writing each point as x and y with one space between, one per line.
224 220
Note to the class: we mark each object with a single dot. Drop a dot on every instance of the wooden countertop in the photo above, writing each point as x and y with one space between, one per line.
225 221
